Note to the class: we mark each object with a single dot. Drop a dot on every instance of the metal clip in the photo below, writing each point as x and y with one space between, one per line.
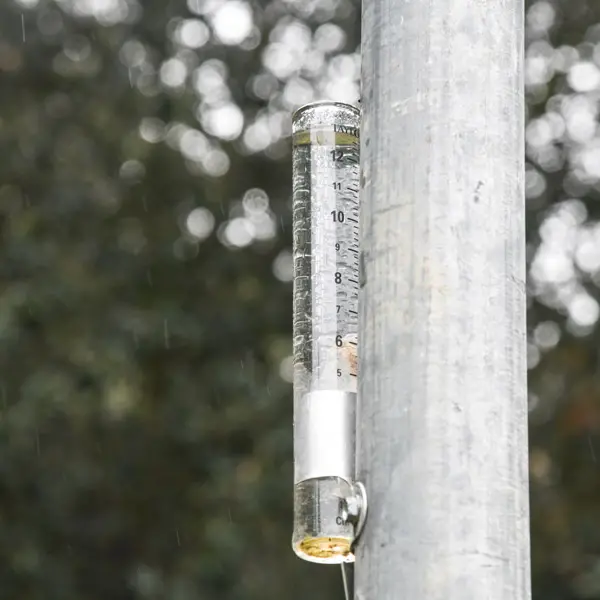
353 508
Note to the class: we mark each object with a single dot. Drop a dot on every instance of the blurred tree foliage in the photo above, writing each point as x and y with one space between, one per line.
145 293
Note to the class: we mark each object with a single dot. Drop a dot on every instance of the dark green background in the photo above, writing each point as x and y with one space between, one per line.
145 403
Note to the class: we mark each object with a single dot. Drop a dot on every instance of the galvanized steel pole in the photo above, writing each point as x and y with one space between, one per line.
443 409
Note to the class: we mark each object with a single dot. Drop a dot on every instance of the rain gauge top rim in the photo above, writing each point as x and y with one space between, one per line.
324 104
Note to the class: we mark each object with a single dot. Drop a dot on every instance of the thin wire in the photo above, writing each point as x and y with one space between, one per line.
345 580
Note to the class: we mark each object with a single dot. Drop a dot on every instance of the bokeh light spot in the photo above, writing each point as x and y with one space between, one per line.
283 266
192 33
584 77
584 310
173 72
232 22
200 223
225 122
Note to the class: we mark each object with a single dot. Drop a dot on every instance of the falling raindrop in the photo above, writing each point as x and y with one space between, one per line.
167 334
23 26
345 582
178 538
592 448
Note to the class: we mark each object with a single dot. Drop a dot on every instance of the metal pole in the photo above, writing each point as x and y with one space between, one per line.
443 410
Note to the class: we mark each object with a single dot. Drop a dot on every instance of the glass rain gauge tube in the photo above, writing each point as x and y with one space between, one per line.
328 504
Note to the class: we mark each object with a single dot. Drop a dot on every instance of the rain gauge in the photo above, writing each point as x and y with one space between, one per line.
329 504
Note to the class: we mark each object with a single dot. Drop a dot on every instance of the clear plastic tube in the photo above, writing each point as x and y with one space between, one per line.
326 285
